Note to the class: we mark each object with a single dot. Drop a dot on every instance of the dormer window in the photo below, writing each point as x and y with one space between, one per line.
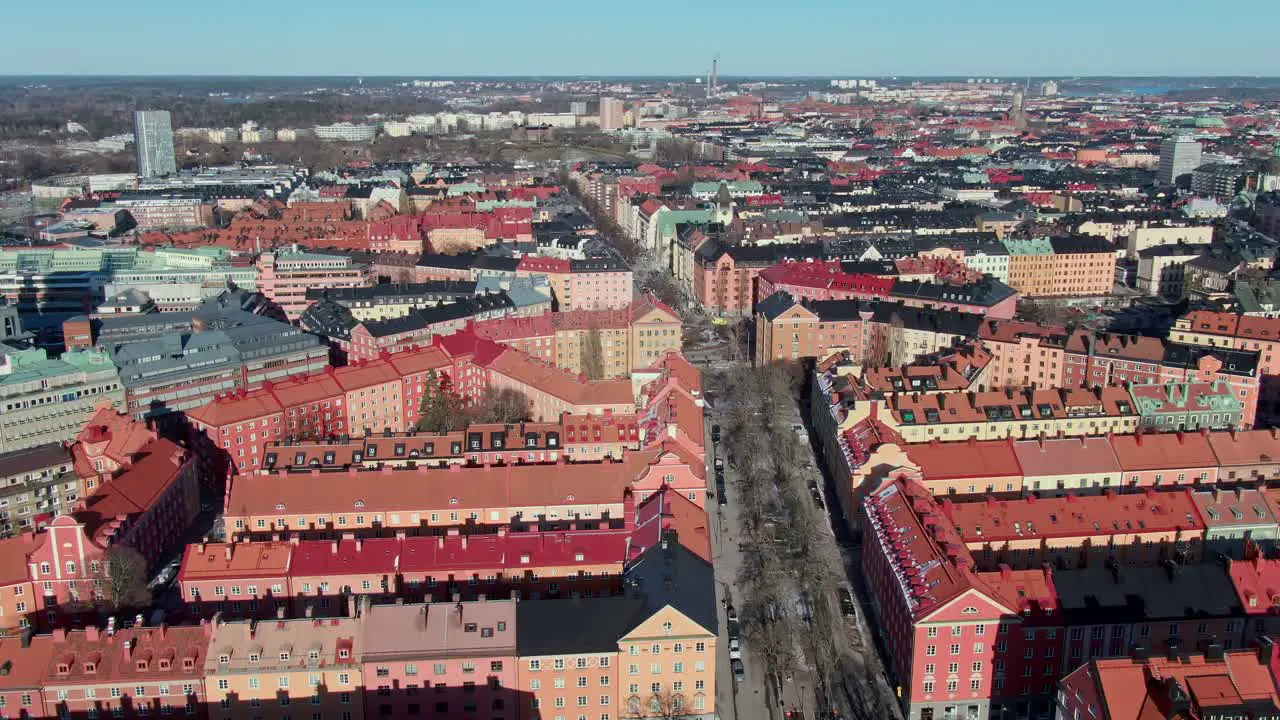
223 659
255 657
188 663
165 664
344 654
63 668
90 668
140 665
284 656
313 655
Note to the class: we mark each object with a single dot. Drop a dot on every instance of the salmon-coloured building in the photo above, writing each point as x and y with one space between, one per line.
462 656
137 671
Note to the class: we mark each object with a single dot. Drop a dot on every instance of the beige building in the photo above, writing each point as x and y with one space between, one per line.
1152 236
279 669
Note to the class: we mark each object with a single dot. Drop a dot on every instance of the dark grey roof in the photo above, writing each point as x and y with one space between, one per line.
1234 362
440 260
670 574
1081 244
492 262
425 317
986 292
395 291
1136 594
35 458
329 319
774 305
578 625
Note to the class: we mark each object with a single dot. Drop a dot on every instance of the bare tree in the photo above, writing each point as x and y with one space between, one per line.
122 578
664 705
593 355
504 405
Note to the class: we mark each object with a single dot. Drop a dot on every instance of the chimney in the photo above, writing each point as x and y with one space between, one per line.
230 550
333 547
127 645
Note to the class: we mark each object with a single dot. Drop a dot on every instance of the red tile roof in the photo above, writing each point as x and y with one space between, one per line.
974 458
1065 456
117 656
135 491
1246 447
510 486
214 561
667 510
1150 451
25 666
1073 516
935 565
1229 324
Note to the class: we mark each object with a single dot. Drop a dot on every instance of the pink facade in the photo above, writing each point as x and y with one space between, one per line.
464 652
286 277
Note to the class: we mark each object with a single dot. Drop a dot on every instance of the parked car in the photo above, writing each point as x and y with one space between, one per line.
732 614
817 500
735 649
739 672
719 464
847 606
735 633
715 433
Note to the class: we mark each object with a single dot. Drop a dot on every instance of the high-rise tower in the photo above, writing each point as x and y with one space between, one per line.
153 143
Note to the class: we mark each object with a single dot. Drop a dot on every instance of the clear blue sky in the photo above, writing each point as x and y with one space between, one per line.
621 37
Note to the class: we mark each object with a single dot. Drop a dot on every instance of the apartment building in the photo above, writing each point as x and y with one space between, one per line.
48 399
462 655
140 671
321 504
316 578
1136 529
1188 406
876 333
1209 682
1023 353
1239 332
253 668
632 338
392 300
366 340
36 485
387 395
174 211
1075 266
646 653
578 438
285 277
1025 414
829 281
967 642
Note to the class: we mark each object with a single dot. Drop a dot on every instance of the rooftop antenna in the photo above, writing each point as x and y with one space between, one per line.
715 75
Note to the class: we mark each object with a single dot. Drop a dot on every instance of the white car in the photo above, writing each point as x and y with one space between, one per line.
735 649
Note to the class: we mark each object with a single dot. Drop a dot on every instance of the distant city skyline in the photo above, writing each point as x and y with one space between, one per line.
660 38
